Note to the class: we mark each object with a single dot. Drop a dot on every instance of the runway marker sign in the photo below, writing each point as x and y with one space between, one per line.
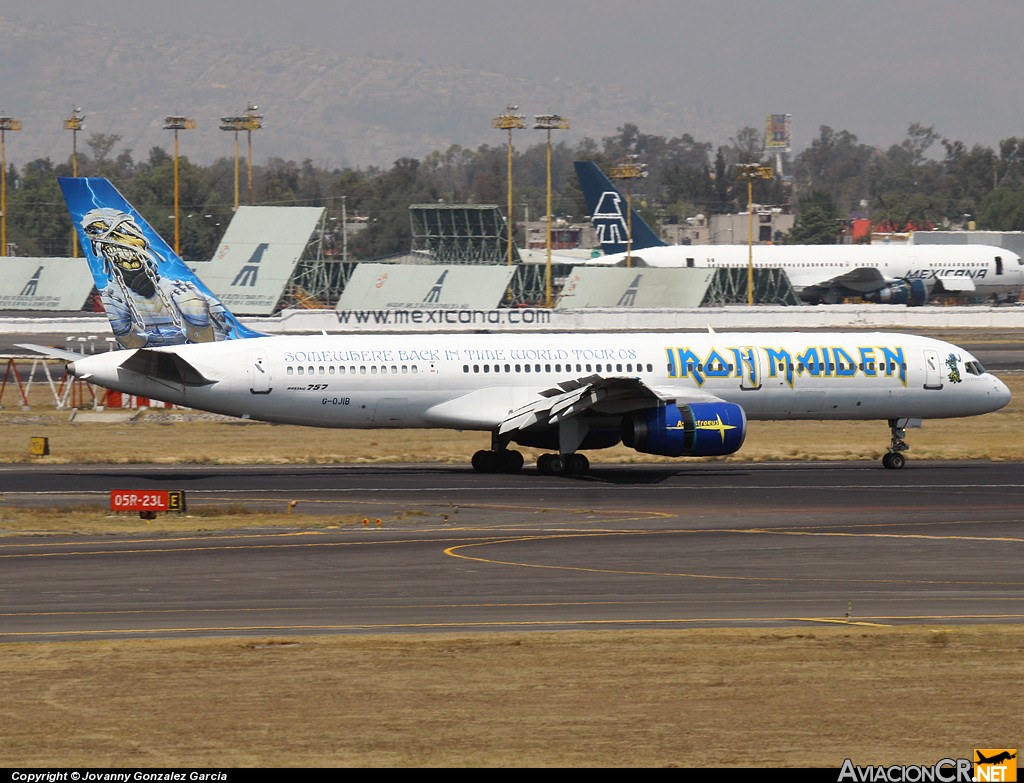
147 502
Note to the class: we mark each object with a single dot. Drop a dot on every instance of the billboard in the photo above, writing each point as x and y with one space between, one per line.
62 284
425 286
680 287
778 132
257 256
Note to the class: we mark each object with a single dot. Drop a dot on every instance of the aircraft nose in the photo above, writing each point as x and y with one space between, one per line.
1001 393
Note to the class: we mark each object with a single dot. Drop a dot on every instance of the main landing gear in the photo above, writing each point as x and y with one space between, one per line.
894 459
511 461
501 459
497 461
562 464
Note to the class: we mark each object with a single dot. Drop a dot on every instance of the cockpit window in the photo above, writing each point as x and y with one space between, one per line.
974 368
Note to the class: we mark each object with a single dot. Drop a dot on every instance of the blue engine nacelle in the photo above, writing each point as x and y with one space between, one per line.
702 429
913 293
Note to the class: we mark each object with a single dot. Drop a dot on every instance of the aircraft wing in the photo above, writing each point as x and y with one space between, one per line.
594 394
862 279
865 279
961 284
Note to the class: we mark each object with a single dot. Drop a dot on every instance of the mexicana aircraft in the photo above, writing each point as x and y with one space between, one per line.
819 274
668 394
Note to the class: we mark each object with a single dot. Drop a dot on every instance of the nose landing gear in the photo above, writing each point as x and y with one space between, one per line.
894 459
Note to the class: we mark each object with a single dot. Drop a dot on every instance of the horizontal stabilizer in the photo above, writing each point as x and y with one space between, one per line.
165 366
56 353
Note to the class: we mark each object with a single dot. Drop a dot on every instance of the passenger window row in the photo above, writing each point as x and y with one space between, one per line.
628 367
357 369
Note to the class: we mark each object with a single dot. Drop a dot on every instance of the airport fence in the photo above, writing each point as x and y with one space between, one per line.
40 382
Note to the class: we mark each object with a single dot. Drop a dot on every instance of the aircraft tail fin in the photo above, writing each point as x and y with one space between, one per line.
607 209
150 296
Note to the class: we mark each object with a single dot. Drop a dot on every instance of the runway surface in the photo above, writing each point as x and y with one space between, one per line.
693 545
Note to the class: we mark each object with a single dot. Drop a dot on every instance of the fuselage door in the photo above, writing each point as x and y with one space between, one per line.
750 368
260 373
999 265
932 370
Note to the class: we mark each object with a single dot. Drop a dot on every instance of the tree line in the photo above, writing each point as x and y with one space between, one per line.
926 180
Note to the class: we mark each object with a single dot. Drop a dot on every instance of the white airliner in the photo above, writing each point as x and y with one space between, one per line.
887 274
668 394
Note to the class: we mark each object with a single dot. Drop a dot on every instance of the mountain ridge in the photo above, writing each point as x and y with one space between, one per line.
334 109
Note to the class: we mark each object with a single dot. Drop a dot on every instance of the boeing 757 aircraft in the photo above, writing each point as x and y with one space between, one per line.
668 394
886 274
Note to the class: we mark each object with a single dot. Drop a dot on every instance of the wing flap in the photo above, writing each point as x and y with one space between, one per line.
498 408
603 396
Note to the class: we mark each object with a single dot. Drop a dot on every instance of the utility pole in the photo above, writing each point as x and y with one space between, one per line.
509 121
247 122
6 124
74 124
177 123
549 122
629 169
749 172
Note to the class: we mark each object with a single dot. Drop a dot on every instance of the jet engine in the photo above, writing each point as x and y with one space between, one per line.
913 293
701 429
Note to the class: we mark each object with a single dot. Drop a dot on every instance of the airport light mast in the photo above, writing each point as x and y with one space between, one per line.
247 122
549 122
74 124
177 123
509 121
749 172
6 124
629 169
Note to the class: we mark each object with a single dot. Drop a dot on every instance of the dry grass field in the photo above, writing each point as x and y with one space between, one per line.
702 698
806 697
175 436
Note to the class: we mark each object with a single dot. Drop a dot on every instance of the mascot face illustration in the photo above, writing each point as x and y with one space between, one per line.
118 240
144 307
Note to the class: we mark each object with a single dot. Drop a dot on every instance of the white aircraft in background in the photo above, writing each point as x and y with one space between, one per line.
819 274
669 394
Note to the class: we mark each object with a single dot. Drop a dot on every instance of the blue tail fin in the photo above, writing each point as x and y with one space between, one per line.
608 212
150 296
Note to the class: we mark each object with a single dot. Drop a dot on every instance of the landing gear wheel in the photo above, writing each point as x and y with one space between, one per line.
577 463
504 461
485 461
510 461
551 465
562 464
893 460
544 464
